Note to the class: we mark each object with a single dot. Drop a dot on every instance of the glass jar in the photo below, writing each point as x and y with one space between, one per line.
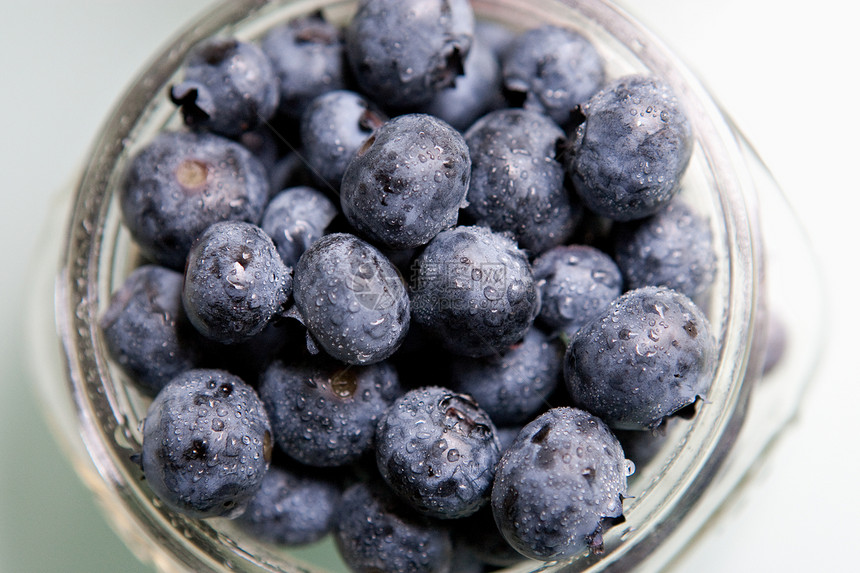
98 416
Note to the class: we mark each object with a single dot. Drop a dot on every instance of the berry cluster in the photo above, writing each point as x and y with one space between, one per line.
366 306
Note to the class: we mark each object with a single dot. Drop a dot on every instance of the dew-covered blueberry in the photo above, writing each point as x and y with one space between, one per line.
377 532
473 290
351 299
645 356
673 248
235 282
631 148
407 182
308 60
403 52
438 450
578 281
180 184
291 508
325 413
295 218
514 385
334 126
560 485
145 329
476 92
229 87
517 185
551 70
206 444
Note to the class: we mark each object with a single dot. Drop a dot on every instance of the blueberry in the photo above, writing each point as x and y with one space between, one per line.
511 387
560 485
404 51
351 299
334 126
180 184
473 289
145 328
578 282
517 184
206 444
476 92
673 248
644 357
376 532
407 182
229 87
324 413
631 149
308 59
295 218
438 450
552 70
235 282
291 508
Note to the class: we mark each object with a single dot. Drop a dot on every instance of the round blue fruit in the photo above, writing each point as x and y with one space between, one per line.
325 413
560 485
145 328
295 218
207 444
229 87
334 126
308 60
673 248
514 385
644 357
438 450
180 184
351 299
578 281
407 182
404 51
235 282
291 508
631 149
517 184
552 70
473 289
377 532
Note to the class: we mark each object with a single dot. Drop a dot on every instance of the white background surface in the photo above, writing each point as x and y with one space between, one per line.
787 73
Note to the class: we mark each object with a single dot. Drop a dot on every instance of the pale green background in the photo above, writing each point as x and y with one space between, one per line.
786 71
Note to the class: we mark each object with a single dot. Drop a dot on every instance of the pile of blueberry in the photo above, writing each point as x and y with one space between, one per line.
402 281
